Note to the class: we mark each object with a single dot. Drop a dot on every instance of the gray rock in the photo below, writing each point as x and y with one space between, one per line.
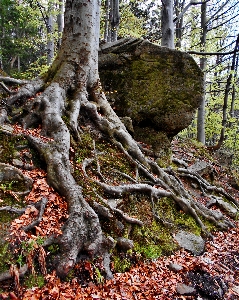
125 244
200 167
186 290
158 88
175 267
9 173
232 211
17 163
190 241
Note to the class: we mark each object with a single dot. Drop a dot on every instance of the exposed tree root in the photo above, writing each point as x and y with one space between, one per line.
66 93
38 220
10 80
206 185
20 211
106 212
5 88
7 275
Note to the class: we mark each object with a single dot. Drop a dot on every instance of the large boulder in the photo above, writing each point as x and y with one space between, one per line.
158 88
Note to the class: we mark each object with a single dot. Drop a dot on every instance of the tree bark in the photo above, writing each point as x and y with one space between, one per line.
112 20
225 100
50 39
60 22
203 63
167 25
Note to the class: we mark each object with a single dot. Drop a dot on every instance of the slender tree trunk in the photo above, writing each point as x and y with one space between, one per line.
232 109
179 23
226 96
203 63
167 26
107 16
50 39
60 22
18 64
114 19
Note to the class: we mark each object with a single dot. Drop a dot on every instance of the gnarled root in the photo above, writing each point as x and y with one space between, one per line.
82 231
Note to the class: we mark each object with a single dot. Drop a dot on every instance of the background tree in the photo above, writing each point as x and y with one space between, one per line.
167 26
112 20
60 21
20 35
203 62
220 25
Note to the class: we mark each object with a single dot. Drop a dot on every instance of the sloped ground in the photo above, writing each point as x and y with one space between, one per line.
214 275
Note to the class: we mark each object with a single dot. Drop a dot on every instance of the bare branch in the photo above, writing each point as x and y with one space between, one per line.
221 24
38 220
175 20
212 53
220 8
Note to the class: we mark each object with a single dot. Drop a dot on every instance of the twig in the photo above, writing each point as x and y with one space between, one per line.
6 89
125 175
120 212
38 220
7 275
14 210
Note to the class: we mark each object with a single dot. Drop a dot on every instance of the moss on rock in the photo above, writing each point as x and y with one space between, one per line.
155 86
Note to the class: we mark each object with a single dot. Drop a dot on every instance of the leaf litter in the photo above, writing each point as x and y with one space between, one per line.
149 280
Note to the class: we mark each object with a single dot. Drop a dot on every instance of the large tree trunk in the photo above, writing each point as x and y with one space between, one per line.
71 88
75 68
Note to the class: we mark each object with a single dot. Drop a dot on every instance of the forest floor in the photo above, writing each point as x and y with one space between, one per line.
212 275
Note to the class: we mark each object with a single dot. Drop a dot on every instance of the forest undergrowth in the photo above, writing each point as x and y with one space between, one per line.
145 275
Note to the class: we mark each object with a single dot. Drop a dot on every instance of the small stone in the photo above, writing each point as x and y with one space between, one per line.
125 244
119 225
184 289
17 154
190 241
194 185
231 210
114 202
200 167
17 163
175 267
